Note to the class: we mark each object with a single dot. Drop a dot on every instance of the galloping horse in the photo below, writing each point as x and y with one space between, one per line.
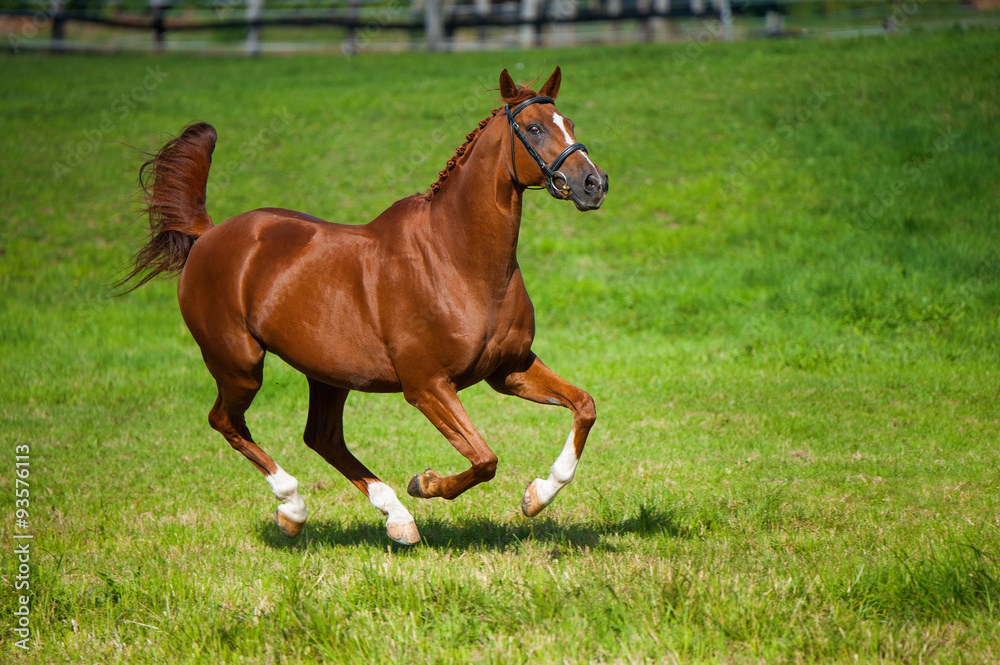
426 299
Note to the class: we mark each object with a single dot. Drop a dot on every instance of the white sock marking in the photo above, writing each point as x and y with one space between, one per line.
560 474
385 501
286 488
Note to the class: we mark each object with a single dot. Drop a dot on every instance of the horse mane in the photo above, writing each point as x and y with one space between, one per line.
523 94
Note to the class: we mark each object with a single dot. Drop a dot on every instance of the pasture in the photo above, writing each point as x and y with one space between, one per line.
787 311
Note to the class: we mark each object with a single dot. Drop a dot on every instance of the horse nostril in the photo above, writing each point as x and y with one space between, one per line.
591 184
606 183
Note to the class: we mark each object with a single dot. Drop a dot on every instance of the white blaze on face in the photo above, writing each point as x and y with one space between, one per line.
560 474
560 122
286 488
385 501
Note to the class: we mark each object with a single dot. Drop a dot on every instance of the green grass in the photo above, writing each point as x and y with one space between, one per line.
787 312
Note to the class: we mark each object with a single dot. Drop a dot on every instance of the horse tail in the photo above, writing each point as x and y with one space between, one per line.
173 183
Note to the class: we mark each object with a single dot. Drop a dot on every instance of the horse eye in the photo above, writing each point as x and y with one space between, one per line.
534 129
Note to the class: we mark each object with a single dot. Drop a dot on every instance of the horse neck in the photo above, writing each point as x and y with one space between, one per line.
478 208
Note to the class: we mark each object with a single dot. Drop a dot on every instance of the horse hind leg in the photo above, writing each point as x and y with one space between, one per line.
237 389
325 434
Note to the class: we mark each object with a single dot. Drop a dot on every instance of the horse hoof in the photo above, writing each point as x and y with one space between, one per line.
404 533
419 486
413 489
530 505
287 526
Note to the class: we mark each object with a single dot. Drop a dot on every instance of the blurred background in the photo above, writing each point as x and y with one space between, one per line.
350 26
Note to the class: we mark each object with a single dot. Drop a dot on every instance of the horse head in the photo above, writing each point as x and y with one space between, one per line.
544 151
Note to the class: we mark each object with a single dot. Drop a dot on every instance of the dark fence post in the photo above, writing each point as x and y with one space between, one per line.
58 11
158 8
352 36
530 32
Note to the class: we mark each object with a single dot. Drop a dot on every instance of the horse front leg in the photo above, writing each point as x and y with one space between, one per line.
438 401
538 383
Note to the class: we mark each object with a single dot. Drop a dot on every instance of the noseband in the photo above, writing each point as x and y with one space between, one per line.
551 171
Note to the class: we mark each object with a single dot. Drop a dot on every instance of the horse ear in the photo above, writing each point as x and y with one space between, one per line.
508 90
551 87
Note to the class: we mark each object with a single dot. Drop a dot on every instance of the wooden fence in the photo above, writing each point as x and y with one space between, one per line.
439 24
433 24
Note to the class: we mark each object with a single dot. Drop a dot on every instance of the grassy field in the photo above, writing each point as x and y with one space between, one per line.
787 310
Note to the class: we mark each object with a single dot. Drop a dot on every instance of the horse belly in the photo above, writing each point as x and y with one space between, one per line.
325 333
319 318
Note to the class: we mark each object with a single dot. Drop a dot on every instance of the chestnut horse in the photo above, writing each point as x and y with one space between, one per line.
426 299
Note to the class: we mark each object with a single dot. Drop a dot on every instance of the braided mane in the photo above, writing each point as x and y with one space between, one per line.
523 93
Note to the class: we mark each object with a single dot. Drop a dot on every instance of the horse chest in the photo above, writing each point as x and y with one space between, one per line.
505 337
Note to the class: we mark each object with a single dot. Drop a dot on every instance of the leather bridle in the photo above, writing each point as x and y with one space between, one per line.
551 171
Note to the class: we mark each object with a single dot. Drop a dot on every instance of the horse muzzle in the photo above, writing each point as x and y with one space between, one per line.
587 190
